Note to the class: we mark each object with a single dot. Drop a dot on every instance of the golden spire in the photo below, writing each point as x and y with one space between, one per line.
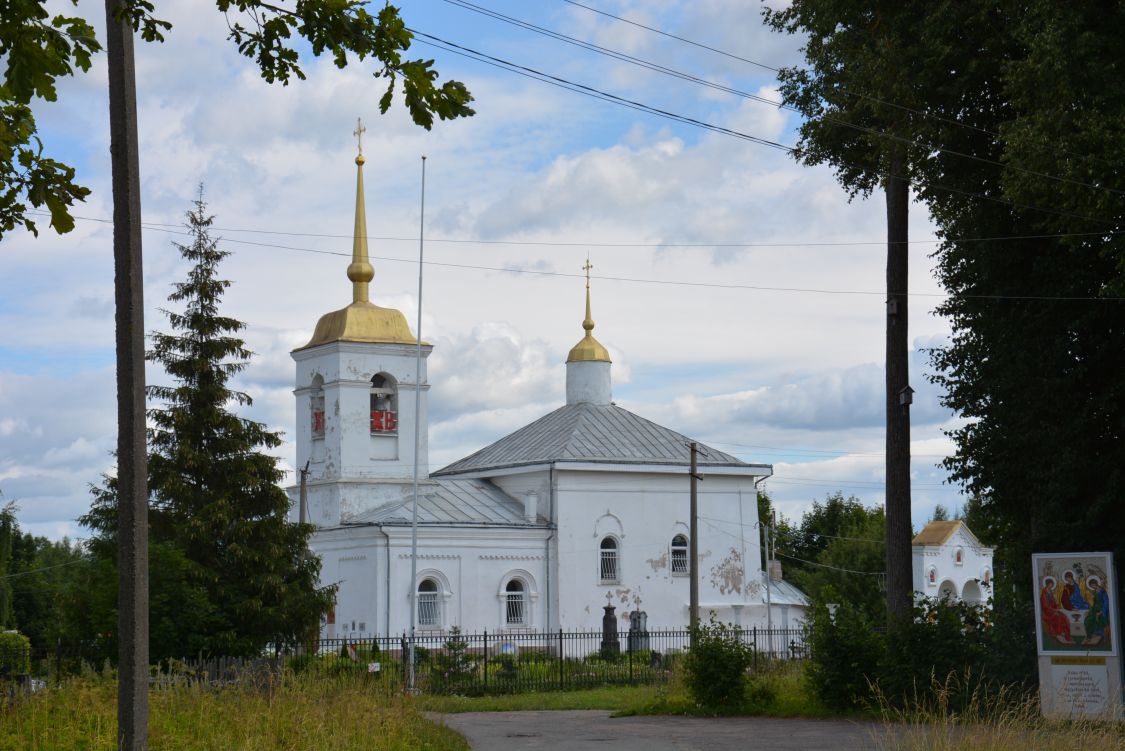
361 321
360 270
589 349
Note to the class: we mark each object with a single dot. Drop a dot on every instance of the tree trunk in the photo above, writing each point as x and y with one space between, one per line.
898 413
132 460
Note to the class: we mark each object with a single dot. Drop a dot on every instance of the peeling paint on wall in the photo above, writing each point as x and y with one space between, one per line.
726 575
658 563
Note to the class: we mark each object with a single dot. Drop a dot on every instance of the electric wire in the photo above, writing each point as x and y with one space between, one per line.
641 280
585 90
600 244
658 68
777 71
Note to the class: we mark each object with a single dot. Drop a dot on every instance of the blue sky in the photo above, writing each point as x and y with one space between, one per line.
790 375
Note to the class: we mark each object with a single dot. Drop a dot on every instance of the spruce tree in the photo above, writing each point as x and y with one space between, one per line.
230 573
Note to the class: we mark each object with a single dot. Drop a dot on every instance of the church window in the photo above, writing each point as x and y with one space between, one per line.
931 575
679 556
959 556
515 611
608 568
316 407
429 613
384 404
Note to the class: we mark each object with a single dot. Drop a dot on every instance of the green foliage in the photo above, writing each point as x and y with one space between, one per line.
845 651
15 654
839 538
39 49
453 670
716 666
947 647
8 532
49 590
229 573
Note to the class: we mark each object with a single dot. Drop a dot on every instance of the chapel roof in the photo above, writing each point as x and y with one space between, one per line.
941 532
450 502
586 432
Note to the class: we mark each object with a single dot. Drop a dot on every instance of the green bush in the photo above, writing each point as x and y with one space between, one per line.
846 651
454 670
947 646
716 666
15 654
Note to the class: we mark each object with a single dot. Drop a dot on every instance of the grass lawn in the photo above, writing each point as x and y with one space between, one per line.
299 714
780 692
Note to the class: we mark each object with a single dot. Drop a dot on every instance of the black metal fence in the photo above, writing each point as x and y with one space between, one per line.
447 662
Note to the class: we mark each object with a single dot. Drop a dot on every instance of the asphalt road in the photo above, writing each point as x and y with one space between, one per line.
595 729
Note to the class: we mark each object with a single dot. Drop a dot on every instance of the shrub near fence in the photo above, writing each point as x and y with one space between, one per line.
512 662
455 663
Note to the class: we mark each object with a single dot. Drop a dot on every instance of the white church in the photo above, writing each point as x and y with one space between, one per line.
589 504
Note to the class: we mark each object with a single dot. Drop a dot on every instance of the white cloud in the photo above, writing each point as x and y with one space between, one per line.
737 364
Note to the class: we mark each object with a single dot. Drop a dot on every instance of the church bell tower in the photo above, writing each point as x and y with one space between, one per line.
355 389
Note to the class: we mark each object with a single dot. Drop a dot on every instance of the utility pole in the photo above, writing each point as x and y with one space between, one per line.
897 394
303 508
132 457
693 602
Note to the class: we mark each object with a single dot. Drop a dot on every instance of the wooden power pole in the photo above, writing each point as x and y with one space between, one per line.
898 395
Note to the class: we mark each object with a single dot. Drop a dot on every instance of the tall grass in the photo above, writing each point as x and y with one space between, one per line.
292 712
945 718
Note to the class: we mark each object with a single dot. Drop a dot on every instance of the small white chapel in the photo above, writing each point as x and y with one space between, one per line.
586 505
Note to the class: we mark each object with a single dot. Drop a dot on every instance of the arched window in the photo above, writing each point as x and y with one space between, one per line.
959 556
932 576
679 555
316 407
384 404
608 569
515 610
429 609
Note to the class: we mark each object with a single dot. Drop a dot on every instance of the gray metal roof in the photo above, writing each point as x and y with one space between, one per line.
451 502
782 592
590 433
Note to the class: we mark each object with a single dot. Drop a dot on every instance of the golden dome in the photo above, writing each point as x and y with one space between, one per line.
589 349
362 321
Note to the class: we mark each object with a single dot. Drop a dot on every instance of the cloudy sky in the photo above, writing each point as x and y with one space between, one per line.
739 293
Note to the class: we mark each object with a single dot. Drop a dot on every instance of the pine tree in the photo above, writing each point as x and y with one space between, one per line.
230 573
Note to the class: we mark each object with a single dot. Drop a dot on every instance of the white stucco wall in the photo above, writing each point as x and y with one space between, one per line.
471 565
351 469
949 575
644 511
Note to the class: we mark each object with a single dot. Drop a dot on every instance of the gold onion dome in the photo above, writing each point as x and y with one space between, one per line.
361 321
589 349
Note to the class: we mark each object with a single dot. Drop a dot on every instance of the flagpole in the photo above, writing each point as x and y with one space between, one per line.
417 438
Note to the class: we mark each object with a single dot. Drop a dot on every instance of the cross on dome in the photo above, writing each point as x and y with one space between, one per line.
358 133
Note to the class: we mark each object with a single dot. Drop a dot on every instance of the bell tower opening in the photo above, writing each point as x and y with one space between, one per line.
384 404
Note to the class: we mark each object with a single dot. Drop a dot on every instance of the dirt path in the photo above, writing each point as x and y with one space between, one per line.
575 730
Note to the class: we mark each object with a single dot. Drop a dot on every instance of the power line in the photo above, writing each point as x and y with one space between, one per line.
600 244
590 91
834 568
637 280
44 568
776 71
656 67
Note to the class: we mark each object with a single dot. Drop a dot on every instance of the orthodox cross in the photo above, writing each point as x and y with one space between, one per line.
358 133
587 268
